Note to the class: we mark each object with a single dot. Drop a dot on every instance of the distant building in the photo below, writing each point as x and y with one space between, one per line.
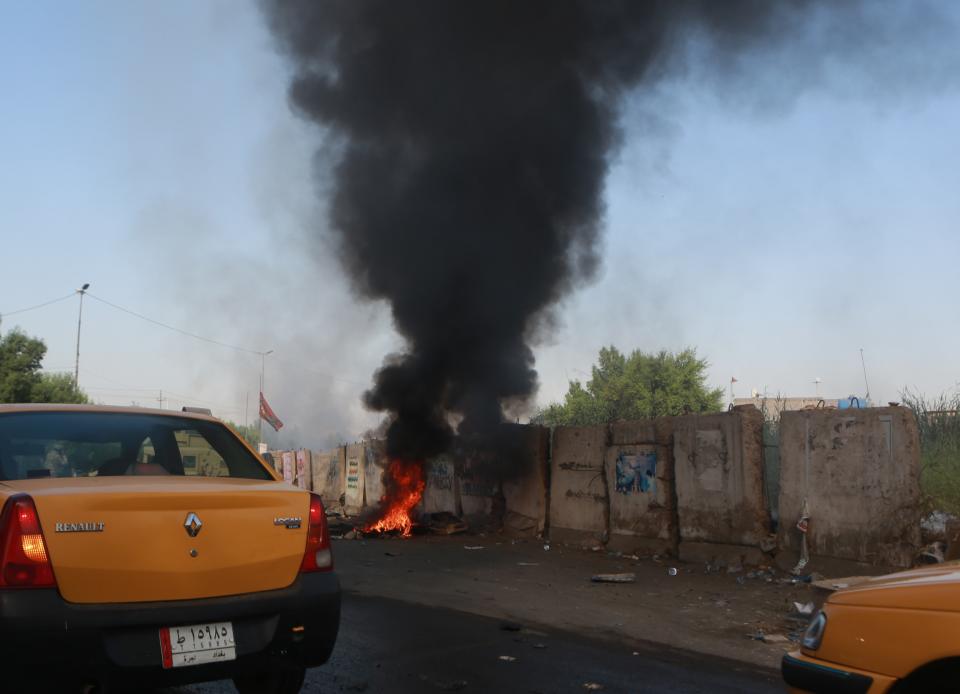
773 407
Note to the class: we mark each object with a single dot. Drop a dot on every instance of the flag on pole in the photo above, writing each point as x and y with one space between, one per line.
733 379
268 415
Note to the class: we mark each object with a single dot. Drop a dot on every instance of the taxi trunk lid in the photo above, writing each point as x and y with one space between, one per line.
125 539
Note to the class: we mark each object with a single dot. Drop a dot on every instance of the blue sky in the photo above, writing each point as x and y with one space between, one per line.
149 150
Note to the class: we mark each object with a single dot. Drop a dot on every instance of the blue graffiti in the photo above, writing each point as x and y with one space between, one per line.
637 473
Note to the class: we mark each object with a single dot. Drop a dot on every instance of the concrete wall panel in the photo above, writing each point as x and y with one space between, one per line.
440 493
525 493
578 494
658 430
477 490
639 474
288 466
356 458
329 476
719 477
859 473
375 463
304 476
640 485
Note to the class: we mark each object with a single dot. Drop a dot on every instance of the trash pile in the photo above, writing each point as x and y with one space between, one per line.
941 533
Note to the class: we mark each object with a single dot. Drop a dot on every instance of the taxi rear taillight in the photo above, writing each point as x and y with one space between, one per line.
24 560
318 555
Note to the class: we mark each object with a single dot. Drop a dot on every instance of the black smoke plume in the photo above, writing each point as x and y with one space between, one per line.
473 140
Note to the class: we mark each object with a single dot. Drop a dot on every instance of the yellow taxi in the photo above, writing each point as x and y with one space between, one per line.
143 545
896 633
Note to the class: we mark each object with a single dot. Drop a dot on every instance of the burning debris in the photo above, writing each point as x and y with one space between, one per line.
405 480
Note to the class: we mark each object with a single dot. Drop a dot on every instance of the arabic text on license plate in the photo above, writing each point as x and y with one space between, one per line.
197 644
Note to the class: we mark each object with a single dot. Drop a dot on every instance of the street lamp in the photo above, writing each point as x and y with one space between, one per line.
76 368
263 362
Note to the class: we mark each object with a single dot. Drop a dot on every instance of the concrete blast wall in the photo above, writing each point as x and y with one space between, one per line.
440 493
578 491
694 484
356 459
329 476
859 473
525 489
304 469
287 465
374 465
639 476
477 489
719 483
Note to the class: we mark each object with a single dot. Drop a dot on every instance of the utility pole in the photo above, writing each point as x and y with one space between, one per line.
76 368
263 364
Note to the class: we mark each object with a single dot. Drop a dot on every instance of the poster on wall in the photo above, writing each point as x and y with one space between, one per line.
353 475
287 462
637 473
353 497
303 468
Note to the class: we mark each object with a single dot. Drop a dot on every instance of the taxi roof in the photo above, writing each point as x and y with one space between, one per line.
117 409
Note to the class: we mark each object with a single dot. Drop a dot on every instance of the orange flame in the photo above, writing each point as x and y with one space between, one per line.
405 484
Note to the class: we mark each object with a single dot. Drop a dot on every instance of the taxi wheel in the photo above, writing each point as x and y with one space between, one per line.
288 681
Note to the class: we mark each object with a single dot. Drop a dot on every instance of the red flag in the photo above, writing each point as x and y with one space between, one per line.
267 414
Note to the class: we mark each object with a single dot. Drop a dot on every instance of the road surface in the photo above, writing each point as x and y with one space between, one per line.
395 647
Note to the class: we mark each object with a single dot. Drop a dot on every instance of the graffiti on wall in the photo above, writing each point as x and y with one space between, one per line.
353 473
441 474
332 461
637 473
475 478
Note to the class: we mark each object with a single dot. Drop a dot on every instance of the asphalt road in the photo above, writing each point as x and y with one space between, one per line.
395 647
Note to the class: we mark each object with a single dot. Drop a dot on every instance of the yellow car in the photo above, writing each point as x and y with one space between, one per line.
897 633
154 546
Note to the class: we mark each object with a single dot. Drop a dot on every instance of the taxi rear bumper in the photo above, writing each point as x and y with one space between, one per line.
45 636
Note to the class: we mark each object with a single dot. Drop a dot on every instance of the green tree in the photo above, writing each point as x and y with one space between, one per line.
636 386
21 358
57 388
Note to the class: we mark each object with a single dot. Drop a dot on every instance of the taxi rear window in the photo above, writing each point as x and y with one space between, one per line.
97 444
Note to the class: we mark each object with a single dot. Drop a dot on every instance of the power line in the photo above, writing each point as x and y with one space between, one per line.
186 333
151 394
108 389
222 344
174 328
127 388
87 372
34 308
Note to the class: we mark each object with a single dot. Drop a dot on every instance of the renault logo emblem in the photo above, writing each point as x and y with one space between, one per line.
193 524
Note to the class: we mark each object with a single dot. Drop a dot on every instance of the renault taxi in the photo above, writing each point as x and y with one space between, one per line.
897 633
150 546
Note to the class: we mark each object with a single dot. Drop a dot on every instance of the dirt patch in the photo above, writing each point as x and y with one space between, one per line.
695 607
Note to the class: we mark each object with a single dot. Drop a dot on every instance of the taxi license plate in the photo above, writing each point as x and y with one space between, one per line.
197 644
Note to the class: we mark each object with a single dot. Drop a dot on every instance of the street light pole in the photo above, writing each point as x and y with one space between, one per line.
263 363
76 368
